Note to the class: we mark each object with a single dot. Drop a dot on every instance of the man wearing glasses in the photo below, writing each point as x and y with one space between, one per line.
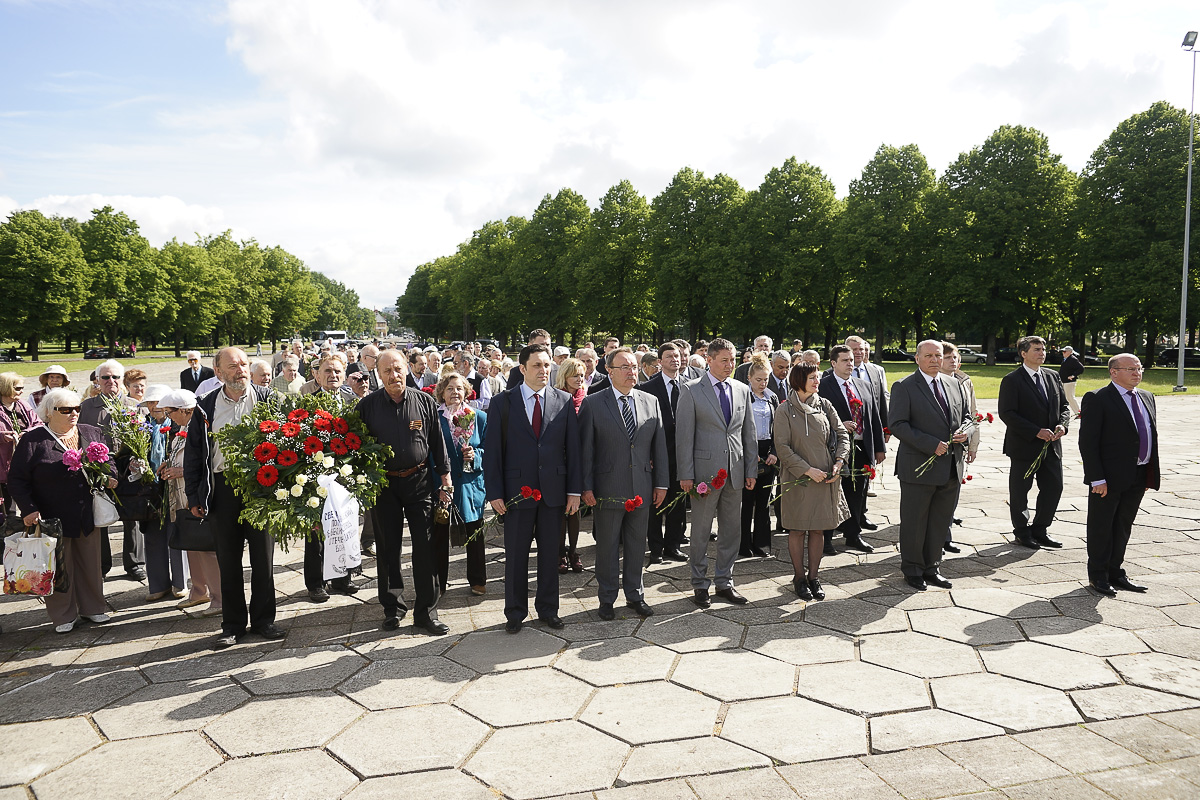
109 376
1118 440
195 374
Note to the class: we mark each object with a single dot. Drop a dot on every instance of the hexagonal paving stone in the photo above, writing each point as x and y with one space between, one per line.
1117 613
525 696
856 616
1176 641
800 643
555 758
306 774
34 748
692 632
224 662
862 688
447 735
158 766
276 724
918 654
704 756
1083 637
966 626
612 661
67 693
1011 704
1003 603
650 712
770 727
170 708
406 646
443 784
1160 671
304 670
400 682
497 651
731 675
1049 666
1112 702
921 728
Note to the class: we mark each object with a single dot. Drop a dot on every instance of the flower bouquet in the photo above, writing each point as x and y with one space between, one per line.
700 489
928 463
462 428
91 461
275 456
131 429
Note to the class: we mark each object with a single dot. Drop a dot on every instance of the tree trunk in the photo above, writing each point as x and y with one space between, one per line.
990 346
33 348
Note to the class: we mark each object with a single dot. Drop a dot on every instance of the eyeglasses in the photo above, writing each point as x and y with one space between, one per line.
626 368
108 377
193 361
67 411
1132 369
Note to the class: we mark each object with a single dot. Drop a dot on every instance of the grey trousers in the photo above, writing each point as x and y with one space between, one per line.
926 512
725 506
615 531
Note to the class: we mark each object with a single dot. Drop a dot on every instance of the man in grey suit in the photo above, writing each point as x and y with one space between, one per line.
930 417
624 451
714 431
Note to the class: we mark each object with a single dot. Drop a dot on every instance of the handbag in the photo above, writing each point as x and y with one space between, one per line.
189 532
104 510
29 561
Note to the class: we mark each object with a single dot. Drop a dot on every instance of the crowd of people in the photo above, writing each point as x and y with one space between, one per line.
668 449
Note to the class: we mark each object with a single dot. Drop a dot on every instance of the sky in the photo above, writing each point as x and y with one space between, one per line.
370 136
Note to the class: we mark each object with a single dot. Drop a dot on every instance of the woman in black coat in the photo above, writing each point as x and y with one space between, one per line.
42 486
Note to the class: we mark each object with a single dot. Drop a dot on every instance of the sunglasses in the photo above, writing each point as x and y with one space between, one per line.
66 411
20 388
108 377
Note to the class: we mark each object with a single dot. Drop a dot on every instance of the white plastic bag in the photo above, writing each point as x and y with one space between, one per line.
104 510
339 521
29 564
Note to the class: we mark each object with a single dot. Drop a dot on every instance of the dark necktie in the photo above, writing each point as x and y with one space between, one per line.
1143 432
674 396
941 398
726 408
627 415
537 416
196 375
1037 381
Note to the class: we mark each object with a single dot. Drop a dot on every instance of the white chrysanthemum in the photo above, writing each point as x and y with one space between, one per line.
346 470
313 502
297 491
301 479
322 491
281 494
328 462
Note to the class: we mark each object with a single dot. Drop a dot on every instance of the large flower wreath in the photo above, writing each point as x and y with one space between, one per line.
275 455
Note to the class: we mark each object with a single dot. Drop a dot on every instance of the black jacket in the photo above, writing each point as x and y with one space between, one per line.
197 467
1024 413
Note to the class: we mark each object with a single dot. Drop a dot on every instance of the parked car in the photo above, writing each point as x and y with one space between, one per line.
10 355
969 355
1170 358
896 354
96 352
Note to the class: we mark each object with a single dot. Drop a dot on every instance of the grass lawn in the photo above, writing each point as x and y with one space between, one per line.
1158 380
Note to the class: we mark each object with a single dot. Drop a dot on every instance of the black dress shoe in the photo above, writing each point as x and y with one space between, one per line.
1121 582
1043 539
916 583
731 594
433 627
225 640
758 552
656 558
136 574
951 547
1103 588
866 524
343 588
513 626
856 543
675 555
640 608
700 598
802 590
814 586
744 554
271 632
606 612
554 621
1025 541
391 623
937 580
829 550
318 595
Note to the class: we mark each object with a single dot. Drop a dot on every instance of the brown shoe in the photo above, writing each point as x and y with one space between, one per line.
576 564
564 565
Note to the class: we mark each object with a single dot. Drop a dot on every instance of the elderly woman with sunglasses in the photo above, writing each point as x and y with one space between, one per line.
43 486
16 417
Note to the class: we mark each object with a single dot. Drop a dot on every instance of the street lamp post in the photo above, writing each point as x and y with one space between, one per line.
1189 43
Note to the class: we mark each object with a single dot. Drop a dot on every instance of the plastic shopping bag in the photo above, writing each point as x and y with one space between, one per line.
29 564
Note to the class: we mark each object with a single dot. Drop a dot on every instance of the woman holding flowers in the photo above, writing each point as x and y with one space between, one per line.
812 445
53 473
570 378
462 429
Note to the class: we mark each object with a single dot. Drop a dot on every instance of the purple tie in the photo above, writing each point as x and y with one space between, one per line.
937 392
726 409
1143 433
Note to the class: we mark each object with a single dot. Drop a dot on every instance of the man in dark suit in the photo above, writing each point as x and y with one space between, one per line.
1035 414
419 375
536 336
1069 373
873 374
929 416
532 442
762 344
855 404
1118 439
781 363
624 452
195 374
665 386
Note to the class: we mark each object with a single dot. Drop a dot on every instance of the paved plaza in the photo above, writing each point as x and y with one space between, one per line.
1017 683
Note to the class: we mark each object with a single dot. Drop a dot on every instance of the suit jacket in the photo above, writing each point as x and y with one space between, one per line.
39 481
657 387
1070 369
514 458
878 380
704 443
779 387
831 389
427 379
1025 413
599 384
93 412
186 381
614 468
1108 439
742 373
918 421
197 453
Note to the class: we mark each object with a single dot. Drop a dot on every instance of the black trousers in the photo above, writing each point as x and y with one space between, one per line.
675 522
1109 525
756 509
406 499
476 566
855 491
233 538
314 565
133 553
522 526
1049 478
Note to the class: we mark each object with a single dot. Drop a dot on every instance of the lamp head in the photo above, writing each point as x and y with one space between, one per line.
1189 41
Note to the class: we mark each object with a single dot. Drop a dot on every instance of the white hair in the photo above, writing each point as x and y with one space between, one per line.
696 361
113 366
54 399
764 338
192 354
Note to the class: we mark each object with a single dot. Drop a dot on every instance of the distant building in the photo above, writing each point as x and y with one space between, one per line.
381 326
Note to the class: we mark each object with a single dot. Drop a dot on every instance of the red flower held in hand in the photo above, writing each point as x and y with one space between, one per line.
855 402
637 501
428 389
165 429
268 426
537 496
352 441
630 505
265 452
718 481
267 476
338 446
291 430
970 477
298 415
287 458
990 418
340 425
722 474
313 445
869 471
526 492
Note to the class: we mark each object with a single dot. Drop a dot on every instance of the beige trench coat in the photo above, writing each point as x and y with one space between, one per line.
810 435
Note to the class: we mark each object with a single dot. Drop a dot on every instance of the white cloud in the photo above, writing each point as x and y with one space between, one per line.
159 219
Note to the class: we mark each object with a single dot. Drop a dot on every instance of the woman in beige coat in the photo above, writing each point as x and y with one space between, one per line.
812 445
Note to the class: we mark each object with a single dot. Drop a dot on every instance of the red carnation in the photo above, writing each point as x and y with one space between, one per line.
287 458
869 471
313 445
291 430
340 425
722 474
268 426
886 432
165 429
718 481
970 477
265 452
630 505
352 441
537 496
322 424
990 418
298 415
637 501
428 389
267 475
182 434
526 492
338 446
855 402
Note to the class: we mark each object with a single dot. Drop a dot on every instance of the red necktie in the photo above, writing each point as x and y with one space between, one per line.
537 416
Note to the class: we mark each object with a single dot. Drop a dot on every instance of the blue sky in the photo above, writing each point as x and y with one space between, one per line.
368 137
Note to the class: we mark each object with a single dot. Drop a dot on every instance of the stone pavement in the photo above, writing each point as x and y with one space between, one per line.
1016 683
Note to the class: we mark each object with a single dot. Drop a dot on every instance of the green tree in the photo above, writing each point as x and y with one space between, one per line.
615 271
338 307
542 278
291 291
121 267
476 282
200 289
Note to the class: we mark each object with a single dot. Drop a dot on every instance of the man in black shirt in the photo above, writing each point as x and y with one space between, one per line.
406 420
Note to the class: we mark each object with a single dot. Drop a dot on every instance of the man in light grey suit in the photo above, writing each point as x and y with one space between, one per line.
714 431
930 417
624 450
